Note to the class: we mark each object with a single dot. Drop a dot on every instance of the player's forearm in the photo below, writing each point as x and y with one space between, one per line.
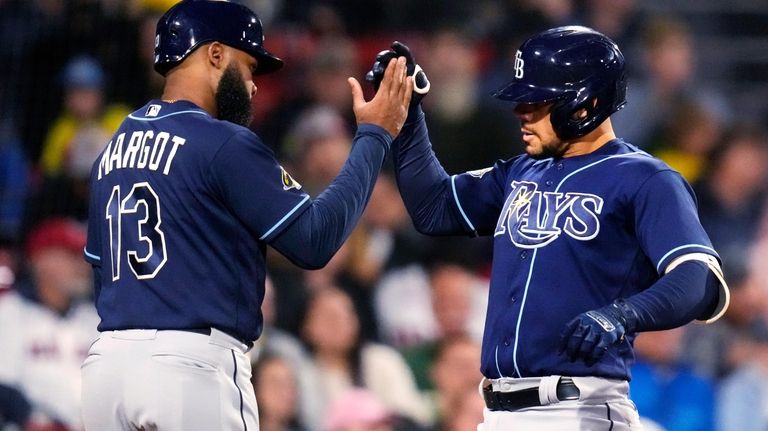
686 293
317 234
423 183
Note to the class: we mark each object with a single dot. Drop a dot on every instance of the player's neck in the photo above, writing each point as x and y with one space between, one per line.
592 141
177 87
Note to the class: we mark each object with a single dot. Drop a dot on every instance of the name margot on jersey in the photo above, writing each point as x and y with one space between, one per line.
144 150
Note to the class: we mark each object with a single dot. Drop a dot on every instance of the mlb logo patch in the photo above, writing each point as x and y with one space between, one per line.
153 110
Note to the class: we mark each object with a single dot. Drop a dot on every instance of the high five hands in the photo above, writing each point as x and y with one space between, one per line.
389 107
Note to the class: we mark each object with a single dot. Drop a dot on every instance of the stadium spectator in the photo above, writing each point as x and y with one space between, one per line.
454 373
742 400
665 389
467 413
667 72
46 326
275 342
79 133
688 138
732 196
274 382
457 119
458 302
342 360
74 141
358 410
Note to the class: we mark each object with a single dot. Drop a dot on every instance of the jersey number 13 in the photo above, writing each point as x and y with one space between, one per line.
134 226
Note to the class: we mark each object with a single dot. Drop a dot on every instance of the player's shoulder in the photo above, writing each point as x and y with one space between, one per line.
631 158
194 122
505 165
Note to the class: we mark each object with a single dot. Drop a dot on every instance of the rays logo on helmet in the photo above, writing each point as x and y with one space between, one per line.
288 181
519 63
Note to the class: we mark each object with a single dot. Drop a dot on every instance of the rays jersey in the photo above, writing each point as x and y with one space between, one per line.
177 232
571 235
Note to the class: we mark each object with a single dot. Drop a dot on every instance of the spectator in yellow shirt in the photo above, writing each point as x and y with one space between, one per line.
85 124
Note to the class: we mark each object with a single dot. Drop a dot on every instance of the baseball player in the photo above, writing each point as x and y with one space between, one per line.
594 240
184 200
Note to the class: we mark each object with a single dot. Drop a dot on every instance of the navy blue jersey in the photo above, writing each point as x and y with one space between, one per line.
571 235
182 207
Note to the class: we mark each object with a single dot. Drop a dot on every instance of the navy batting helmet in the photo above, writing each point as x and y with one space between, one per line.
191 23
576 68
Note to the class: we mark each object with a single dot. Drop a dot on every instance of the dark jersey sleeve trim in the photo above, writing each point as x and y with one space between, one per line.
91 258
679 251
286 220
459 207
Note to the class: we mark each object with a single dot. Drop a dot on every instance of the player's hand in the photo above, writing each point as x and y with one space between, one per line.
389 107
376 74
589 335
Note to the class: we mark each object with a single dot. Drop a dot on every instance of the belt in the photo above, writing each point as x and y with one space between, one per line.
207 331
525 398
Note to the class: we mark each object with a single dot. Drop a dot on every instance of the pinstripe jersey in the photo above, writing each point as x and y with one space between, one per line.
182 207
571 235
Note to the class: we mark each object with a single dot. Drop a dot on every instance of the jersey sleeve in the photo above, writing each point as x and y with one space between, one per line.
667 221
479 196
255 187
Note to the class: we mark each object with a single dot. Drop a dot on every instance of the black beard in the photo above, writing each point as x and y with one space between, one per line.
232 99
554 151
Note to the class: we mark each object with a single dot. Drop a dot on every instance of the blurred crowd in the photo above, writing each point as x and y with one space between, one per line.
387 336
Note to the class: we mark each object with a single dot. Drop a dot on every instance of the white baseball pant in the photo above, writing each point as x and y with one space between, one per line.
143 379
603 404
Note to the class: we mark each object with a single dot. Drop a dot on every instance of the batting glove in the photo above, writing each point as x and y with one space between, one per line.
589 335
420 82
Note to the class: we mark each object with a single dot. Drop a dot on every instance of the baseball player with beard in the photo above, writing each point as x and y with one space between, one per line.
184 200
594 239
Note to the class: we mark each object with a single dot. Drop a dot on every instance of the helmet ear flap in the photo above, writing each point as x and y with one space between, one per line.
567 121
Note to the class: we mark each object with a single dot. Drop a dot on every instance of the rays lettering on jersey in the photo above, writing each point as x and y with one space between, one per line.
533 218
144 150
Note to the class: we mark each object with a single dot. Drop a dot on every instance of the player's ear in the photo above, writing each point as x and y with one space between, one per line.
216 52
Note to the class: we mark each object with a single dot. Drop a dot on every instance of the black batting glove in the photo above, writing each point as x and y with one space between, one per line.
589 335
420 82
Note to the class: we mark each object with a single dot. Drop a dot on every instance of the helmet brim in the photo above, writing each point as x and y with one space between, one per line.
519 92
267 62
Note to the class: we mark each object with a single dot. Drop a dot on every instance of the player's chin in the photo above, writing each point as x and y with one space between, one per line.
534 152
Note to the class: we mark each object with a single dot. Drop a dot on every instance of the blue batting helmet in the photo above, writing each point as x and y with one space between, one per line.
576 68
190 23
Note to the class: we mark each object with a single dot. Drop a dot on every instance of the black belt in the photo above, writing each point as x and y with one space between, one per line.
525 398
207 331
